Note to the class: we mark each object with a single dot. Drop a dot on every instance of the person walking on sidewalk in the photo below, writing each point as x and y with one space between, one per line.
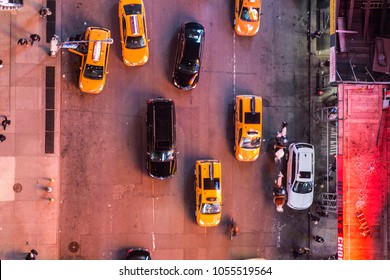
1 63
23 41
318 239
32 255
44 12
34 37
2 138
5 122
315 219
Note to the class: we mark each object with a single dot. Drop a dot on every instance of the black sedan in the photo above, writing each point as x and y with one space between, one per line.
138 254
188 56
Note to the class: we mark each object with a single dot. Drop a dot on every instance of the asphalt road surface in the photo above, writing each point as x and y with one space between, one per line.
108 201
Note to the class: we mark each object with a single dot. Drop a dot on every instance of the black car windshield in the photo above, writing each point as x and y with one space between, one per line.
189 67
133 9
162 156
302 187
135 42
194 34
250 14
93 72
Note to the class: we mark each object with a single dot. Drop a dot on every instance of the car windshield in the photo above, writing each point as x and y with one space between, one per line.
211 184
250 14
303 187
208 208
162 156
93 72
194 34
250 142
305 174
135 42
189 67
133 9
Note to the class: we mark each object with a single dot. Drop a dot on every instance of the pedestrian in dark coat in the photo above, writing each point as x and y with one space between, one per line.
34 37
32 255
44 12
2 138
23 41
318 239
315 219
1 63
5 122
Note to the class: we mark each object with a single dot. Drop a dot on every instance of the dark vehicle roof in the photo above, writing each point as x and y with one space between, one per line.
162 169
192 45
138 254
164 116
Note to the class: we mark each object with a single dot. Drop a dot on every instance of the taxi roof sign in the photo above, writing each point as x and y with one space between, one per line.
134 24
96 51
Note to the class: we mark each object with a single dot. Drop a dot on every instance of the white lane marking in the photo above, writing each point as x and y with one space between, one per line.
234 63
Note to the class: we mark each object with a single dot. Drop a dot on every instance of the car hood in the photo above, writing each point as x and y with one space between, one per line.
247 29
135 57
185 81
162 169
247 154
209 220
91 86
299 201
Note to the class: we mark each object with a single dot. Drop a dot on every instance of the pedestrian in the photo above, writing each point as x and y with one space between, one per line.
315 34
23 41
295 253
303 250
2 138
321 211
318 239
315 219
34 37
5 122
44 12
32 255
1 63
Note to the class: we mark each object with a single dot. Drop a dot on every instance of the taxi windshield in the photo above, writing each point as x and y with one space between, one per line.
250 142
162 155
135 42
302 187
189 67
93 72
250 14
208 208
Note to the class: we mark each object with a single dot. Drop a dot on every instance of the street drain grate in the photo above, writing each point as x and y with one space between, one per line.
74 247
17 188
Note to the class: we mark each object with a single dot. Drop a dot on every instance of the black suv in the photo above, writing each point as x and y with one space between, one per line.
161 138
188 56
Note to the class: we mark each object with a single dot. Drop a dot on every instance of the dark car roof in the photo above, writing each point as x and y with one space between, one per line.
192 46
138 254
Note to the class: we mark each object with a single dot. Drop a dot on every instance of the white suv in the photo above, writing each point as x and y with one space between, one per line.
300 176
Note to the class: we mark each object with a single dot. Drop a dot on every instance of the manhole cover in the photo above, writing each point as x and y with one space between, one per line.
17 187
74 247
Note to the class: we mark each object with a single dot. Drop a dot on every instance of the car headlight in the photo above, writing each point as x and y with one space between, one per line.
201 222
240 156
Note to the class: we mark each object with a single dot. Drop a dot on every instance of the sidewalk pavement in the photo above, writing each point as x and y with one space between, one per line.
326 227
28 219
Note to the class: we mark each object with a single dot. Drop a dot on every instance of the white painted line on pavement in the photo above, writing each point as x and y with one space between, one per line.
234 63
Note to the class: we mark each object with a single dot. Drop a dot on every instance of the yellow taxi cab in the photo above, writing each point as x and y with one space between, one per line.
94 59
134 40
247 17
248 122
208 192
